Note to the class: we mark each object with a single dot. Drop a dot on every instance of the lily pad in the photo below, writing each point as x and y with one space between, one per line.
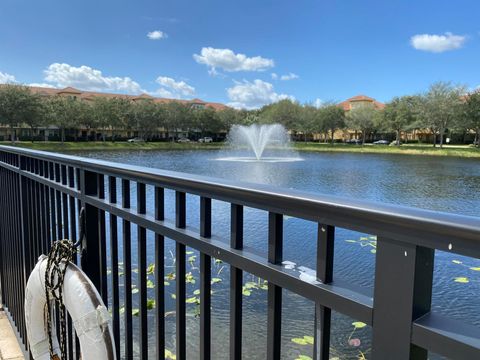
475 268
462 280
169 355
192 300
151 304
359 324
300 341
150 269
456 261
308 339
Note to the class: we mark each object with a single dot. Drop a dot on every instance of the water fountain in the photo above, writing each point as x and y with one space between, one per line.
268 143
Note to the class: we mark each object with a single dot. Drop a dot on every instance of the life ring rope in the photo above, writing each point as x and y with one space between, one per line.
90 317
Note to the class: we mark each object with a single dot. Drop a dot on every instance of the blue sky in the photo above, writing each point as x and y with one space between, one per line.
246 53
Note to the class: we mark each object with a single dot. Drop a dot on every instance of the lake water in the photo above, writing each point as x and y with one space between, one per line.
435 183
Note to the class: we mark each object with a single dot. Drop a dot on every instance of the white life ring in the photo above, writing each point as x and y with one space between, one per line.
89 315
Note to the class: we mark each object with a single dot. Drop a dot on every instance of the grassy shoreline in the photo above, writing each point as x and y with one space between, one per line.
464 151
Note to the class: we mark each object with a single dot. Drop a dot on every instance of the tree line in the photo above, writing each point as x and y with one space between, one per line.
444 107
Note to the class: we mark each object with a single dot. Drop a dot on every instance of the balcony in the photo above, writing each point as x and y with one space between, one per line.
41 195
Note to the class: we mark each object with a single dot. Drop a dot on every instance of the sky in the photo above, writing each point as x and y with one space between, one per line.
243 53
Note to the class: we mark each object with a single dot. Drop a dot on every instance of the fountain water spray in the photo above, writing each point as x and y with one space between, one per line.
257 139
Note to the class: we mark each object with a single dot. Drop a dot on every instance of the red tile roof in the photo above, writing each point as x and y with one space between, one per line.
346 105
90 95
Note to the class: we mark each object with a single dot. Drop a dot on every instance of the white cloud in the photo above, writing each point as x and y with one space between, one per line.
227 60
286 77
251 95
437 43
290 76
87 78
6 78
45 85
171 88
157 35
318 103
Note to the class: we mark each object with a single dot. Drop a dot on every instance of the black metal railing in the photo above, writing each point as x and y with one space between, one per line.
42 193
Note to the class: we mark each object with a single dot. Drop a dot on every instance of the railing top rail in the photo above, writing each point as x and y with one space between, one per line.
439 230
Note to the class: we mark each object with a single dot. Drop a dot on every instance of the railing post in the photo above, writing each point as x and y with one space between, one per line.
325 255
403 293
90 254
205 281
25 236
236 283
274 296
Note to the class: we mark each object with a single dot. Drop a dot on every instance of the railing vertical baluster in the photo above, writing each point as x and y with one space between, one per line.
90 255
403 293
127 271
181 332
236 284
73 342
2 235
51 173
325 252
58 201
103 241
78 183
112 191
48 236
16 249
66 235
32 217
205 280
66 229
275 255
142 271
25 229
38 209
159 276
44 212
22 264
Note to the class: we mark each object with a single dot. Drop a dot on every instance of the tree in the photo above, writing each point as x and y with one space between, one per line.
306 120
207 121
113 113
285 112
63 112
399 115
362 119
440 107
177 117
471 115
149 117
229 117
333 119
18 105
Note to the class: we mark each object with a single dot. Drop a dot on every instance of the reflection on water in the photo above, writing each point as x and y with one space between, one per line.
443 184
